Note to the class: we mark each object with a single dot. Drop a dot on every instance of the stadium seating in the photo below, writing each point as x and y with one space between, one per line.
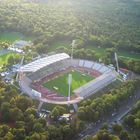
34 80
95 85
64 64
81 63
96 66
75 62
103 69
88 64
48 70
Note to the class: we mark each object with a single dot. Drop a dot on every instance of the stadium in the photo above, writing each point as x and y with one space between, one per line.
46 79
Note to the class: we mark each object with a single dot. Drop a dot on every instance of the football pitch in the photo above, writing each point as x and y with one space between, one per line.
60 83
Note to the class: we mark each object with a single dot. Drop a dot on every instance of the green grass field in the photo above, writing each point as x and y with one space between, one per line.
12 36
58 44
61 82
99 51
4 57
125 55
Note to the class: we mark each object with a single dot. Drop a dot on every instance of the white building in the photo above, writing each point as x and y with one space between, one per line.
18 46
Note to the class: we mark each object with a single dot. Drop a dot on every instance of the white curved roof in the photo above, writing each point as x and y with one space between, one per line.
42 62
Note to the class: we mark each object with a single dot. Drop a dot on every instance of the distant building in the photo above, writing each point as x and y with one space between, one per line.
67 117
21 43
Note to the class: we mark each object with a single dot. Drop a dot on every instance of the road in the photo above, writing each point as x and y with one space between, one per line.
119 114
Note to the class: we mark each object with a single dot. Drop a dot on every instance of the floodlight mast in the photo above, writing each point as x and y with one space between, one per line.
116 59
69 83
72 46
21 63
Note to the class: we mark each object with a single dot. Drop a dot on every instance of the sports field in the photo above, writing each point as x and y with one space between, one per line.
122 54
100 51
4 58
60 84
12 36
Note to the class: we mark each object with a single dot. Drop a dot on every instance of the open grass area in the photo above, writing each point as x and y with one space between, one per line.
123 54
59 44
127 55
13 36
100 51
61 82
4 57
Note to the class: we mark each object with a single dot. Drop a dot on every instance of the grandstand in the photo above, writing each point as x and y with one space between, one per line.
95 85
43 62
32 76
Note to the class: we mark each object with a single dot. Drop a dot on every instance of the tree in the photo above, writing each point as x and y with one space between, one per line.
42 121
35 136
117 128
19 134
105 135
23 102
30 111
129 121
16 114
54 133
5 110
41 48
105 126
20 124
5 107
3 130
67 132
37 127
10 60
124 135
80 125
57 112
88 138
8 136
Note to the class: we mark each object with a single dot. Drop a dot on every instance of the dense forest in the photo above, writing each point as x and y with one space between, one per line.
93 110
113 23
128 130
19 119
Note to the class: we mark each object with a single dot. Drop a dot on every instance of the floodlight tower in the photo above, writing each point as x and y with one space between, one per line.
21 63
116 59
72 46
69 83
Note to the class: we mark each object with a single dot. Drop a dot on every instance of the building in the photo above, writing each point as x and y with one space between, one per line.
21 43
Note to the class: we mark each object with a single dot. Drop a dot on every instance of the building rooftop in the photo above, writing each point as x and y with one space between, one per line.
42 62
21 43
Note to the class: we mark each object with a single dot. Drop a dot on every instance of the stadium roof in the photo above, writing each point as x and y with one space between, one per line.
42 62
